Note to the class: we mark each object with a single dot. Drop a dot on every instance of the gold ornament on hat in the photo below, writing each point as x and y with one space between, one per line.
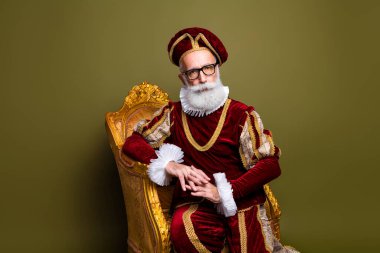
195 46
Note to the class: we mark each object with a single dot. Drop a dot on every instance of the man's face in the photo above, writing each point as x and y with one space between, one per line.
197 60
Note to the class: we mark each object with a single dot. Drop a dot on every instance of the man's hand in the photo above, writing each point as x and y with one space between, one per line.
208 191
188 174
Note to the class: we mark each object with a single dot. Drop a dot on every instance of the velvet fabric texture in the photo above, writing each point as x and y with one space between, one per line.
223 156
187 44
207 230
138 149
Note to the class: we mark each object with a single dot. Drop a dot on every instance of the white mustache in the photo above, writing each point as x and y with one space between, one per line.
203 87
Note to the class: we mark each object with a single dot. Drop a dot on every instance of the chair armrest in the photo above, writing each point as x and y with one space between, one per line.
126 160
148 225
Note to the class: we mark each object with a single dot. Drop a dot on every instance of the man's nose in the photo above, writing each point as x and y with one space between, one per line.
202 77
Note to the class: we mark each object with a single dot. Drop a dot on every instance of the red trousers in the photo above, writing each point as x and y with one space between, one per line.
199 228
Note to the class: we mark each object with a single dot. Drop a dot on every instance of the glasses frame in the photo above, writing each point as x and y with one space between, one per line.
198 70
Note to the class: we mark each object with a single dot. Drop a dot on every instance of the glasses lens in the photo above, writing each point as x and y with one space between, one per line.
192 74
208 70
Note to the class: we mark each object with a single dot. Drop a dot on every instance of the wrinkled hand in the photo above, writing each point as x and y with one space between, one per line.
188 174
208 191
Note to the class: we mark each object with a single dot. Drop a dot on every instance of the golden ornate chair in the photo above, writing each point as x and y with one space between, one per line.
147 204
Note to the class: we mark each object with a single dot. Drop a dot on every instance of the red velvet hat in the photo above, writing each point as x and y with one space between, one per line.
193 39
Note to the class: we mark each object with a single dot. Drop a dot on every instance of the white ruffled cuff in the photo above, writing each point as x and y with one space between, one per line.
156 168
227 207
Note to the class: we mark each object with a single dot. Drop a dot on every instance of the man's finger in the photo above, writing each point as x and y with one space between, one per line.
185 173
204 175
204 195
193 187
200 188
201 172
199 176
198 194
194 179
182 181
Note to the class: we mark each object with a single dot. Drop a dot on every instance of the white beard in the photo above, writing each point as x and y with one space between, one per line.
203 99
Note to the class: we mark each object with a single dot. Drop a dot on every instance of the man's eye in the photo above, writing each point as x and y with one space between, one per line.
208 67
192 73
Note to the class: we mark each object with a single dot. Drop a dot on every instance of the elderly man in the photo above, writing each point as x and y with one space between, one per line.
216 149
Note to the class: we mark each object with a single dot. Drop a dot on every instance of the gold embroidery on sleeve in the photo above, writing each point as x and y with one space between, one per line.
251 133
270 141
158 143
157 134
242 157
158 123
257 127
247 144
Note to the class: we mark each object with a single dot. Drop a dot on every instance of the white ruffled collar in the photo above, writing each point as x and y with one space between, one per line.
192 111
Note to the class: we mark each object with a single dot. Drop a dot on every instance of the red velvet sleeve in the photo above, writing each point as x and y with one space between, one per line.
259 155
137 148
149 135
264 171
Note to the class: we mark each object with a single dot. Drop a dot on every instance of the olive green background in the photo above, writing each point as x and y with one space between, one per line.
310 68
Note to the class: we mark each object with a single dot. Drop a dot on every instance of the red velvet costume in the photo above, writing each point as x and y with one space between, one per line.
230 145
243 150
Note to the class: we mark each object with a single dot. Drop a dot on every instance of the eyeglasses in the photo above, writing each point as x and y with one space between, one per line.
208 70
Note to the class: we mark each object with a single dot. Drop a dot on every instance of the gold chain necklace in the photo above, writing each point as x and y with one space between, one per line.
215 136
